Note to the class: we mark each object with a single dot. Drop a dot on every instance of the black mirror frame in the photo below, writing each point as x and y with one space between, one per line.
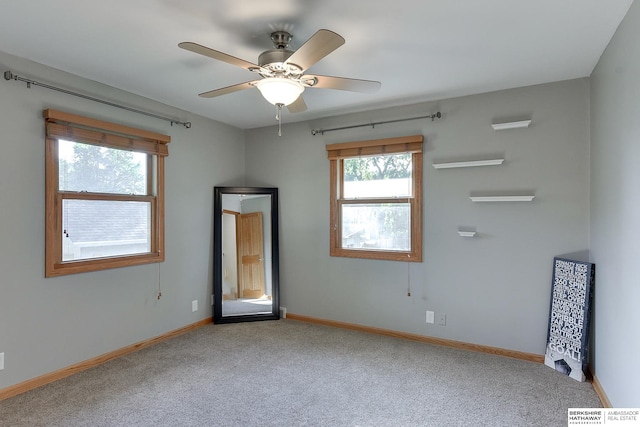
217 255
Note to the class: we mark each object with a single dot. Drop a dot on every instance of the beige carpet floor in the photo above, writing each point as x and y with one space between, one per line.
289 373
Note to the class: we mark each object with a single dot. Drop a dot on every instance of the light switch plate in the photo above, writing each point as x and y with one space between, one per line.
430 317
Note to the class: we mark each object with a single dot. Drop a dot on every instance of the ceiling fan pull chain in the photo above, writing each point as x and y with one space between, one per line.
279 117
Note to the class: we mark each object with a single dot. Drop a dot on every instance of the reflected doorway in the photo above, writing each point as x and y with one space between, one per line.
245 284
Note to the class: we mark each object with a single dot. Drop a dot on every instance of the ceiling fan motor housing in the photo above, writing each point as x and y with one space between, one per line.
274 60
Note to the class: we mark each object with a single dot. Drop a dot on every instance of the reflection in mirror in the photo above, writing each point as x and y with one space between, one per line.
245 254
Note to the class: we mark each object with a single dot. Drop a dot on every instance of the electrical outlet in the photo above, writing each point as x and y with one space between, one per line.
1 361
430 317
442 319
194 305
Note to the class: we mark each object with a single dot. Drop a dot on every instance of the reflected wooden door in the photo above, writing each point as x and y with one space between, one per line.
251 255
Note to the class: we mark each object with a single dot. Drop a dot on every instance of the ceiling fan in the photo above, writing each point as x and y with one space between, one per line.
282 71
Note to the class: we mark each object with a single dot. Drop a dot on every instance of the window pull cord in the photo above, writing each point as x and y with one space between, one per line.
159 290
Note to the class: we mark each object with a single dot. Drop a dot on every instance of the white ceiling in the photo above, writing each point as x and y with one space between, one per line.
420 50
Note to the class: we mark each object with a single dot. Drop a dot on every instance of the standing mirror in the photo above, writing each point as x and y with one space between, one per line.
245 256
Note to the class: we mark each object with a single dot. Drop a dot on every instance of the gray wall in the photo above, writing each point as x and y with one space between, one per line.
494 288
615 212
48 324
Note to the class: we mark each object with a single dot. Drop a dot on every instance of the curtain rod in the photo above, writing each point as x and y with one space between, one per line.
8 75
430 116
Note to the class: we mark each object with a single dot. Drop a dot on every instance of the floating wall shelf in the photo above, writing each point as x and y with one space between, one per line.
511 125
466 233
520 198
467 164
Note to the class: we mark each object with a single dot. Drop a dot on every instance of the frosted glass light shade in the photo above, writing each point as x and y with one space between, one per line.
278 90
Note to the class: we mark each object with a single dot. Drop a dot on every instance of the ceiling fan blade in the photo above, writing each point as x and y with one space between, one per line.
226 90
298 106
322 43
343 83
220 56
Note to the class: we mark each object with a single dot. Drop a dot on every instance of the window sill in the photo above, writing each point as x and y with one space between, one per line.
83 266
378 255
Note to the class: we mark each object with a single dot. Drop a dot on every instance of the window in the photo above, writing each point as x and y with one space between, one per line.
104 195
376 199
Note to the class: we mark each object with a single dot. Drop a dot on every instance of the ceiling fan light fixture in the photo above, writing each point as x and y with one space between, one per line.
279 90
